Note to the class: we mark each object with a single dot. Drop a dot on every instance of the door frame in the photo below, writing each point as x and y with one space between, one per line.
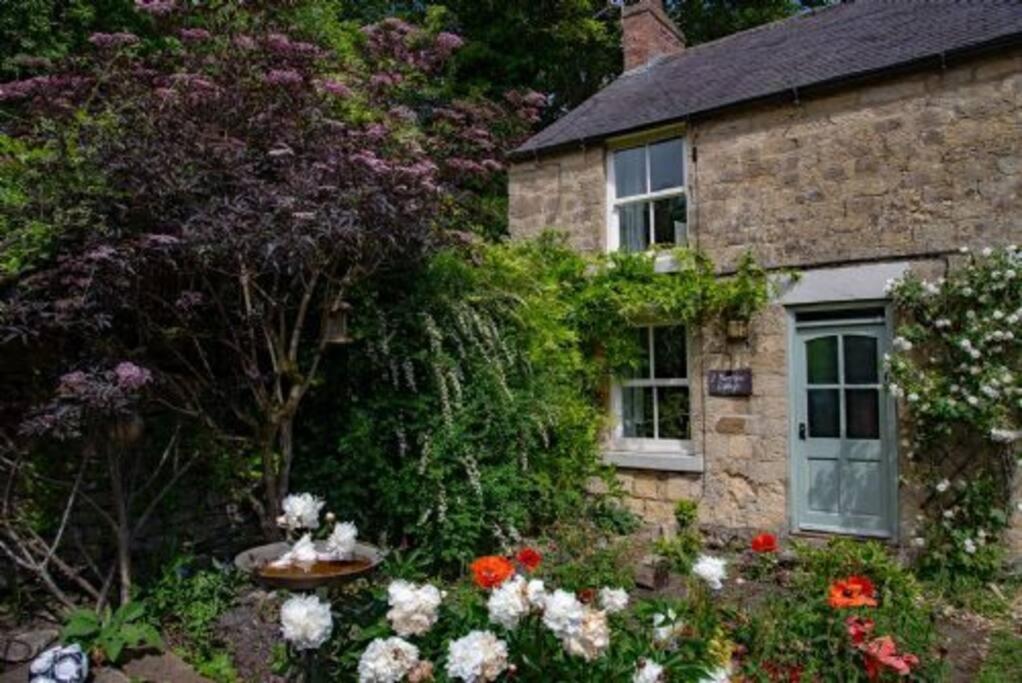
889 431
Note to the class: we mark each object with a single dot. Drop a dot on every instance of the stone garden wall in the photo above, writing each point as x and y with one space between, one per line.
911 167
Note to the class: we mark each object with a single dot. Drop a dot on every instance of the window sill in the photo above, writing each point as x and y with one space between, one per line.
667 460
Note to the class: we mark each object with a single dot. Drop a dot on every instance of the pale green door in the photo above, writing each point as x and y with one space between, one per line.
843 465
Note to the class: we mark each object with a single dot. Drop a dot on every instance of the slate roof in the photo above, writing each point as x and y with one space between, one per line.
823 47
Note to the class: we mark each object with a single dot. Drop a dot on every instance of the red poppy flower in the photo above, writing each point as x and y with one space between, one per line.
765 543
529 558
855 591
882 653
491 571
586 596
859 629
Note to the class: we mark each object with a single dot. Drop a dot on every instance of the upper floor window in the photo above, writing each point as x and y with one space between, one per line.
649 206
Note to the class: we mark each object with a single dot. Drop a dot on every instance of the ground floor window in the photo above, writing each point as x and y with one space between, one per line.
654 397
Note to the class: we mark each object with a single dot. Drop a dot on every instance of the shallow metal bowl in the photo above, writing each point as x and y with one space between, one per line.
252 560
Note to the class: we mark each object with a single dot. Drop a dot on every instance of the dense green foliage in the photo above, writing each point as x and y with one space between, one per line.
109 634
474 413
704 20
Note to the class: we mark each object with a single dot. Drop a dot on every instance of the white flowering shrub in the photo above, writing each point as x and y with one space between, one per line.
957 367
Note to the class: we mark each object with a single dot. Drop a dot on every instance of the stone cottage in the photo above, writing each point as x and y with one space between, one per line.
851 143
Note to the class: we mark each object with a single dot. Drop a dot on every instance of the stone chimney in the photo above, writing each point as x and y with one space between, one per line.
648 33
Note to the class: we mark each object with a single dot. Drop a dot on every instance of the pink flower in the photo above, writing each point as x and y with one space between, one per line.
285 77
113 40
155 7
448 43
335 88
244 42
195 35
131 376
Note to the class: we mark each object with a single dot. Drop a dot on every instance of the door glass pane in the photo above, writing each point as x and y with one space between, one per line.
862 413
637 412
666 165
672 409
821 358
669 217
860 360
630 172
824 413
634 226
641 355
669 352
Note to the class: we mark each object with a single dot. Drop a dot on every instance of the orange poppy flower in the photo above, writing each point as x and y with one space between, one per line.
491 571
765 543
529 558
855 591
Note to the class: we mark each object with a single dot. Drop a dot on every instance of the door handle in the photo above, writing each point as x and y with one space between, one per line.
802 431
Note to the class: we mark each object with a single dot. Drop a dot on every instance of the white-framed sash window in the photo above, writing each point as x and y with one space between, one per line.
648 205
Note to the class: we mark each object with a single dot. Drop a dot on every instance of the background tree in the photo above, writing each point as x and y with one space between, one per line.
704 20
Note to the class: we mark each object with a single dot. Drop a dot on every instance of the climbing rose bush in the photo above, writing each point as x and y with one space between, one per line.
956 366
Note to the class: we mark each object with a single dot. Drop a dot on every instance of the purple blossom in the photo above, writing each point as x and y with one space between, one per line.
72 383
157 8
285 77
156 240
195 35
368 159
404 113
535 99
465 166
113 40
131 377
448 43
376 131
278 42
244 42
101 253
188 300
492 165
335 88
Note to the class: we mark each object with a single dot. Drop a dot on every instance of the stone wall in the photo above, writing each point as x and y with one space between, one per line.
910 167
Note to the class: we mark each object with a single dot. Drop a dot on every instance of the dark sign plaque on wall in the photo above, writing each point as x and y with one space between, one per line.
730 382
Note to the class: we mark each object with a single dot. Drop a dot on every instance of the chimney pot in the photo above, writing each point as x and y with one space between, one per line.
648 33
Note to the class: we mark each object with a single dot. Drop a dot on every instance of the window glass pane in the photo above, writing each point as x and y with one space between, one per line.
669 352
821 356
862 418
672 412
634 226
666 165
824 413
637 412
640 371
630 172
860 360
669 218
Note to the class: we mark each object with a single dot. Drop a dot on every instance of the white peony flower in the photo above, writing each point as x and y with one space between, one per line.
301 511
913 397
970 546
563 613
711 570
987 251
593 637
509 602
943 485
536 594
306 621
613 600
901 344
413 608
302 554
648 671
476 658
340 545
387 661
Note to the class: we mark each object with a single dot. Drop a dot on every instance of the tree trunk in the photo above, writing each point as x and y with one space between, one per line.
123 532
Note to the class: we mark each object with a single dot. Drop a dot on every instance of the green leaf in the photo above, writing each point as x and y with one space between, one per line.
113 646
129 612
81 624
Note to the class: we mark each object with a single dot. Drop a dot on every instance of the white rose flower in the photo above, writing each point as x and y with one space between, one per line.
592 638
711 570
648 671
968 291
970 546
301 511
963 250
987 251
563 613
302 554
509 602
895 390
919 542
413 608
477 658
901 344
1005 435
340 545
613 600
949 514
972 401
942 323
943 485
913 397
387 661
306 621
